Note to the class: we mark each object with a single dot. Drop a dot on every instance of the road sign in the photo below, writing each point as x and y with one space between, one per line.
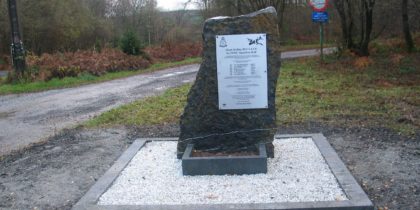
319 5
320 17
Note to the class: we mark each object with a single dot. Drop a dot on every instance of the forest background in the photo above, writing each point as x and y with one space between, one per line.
67 38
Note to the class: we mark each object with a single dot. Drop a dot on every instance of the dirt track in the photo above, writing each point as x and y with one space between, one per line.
31 118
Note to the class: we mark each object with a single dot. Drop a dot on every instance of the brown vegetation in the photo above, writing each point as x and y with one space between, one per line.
72 64
397 66
174 52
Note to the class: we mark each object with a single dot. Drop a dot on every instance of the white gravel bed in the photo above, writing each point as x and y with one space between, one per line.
298 173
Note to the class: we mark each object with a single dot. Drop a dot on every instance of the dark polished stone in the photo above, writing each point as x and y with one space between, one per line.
211 129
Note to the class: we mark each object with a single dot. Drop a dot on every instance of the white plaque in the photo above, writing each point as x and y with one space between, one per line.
242 71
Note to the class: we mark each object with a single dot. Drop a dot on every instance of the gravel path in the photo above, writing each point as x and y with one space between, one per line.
31 118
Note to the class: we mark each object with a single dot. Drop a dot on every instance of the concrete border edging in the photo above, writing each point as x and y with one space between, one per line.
91 197
358 199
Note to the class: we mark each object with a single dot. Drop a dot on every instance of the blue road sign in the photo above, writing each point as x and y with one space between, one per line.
320 17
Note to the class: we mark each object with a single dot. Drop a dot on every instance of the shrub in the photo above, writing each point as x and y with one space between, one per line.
362 62
130 44
98 46
72 64
169 51
5 62
66 71
99 61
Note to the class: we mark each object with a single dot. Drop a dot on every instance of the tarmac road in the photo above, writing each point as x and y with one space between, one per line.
31 118
3 73
305 53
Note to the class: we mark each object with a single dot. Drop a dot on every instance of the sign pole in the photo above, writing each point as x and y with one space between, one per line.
319 15
321 32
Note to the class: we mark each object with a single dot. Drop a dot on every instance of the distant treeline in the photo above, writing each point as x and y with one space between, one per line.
56 25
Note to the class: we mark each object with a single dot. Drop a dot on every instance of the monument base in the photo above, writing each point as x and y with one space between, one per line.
223 165
306 174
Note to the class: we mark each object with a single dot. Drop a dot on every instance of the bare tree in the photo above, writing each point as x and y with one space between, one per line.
211 8
406 27
344 9
254 5
356 18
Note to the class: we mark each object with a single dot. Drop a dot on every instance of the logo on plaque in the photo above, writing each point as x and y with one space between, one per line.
223 42
255 41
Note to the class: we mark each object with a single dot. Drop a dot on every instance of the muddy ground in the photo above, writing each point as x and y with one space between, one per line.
56 174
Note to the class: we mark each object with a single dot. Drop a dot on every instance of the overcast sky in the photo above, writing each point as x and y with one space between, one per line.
173 4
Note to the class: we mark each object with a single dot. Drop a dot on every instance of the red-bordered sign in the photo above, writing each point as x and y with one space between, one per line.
319 5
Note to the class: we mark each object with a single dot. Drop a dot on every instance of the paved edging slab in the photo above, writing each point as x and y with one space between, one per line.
88 201
357 198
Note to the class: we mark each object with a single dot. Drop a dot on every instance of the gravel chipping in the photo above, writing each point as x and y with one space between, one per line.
298 173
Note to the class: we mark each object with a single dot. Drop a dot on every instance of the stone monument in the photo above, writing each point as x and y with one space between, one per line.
231 106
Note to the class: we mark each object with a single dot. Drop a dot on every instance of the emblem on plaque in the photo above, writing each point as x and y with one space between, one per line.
223 42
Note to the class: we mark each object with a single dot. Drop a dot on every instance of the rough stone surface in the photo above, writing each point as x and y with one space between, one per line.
211 129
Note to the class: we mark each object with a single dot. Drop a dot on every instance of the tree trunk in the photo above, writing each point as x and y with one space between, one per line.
367 25
406 27
350 25
280 13
348 11
344 10
17 50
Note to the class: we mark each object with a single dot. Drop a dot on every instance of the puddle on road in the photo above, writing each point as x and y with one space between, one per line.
160 88
4 115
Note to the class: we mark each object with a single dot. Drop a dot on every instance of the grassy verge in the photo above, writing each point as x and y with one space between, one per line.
347 96
84 79
334 92
153 110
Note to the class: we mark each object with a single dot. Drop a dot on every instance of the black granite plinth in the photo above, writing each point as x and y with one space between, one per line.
211 129
222 165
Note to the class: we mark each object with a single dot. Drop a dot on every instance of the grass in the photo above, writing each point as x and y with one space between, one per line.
84 79
151 111
343 96
335 92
